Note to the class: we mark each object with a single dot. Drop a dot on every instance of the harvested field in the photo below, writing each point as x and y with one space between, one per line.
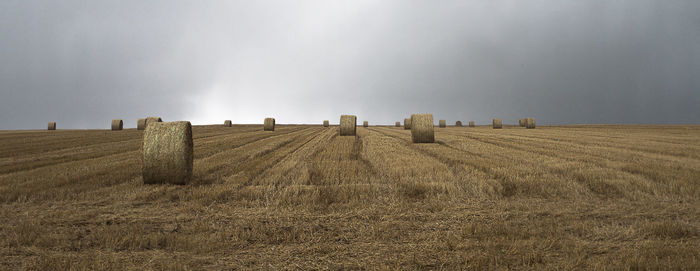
569 197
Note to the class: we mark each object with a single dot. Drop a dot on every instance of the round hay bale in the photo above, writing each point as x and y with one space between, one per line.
348 125
471 123
227 123
522 122
530 123
365 124
443 123
407 124
167 153
326 123
422 128
497 123
398 124
150 120
117 125
141 124
52 125
458 123
269 124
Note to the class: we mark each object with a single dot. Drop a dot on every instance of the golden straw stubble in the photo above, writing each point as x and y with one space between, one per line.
422 128
168 153
117 125
269 124
348 125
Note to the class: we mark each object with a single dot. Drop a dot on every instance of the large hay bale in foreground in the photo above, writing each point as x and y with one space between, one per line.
458 123
141 124
497 123
365 124
167 153
422 128
443 123
407 124
326 123
150 120
269 124
348 125
117 125
530 123
227 123
472 124
52 125
398 124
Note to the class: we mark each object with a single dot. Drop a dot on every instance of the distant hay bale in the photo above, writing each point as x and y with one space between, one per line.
227 123
52 125
167 153
530 123
471 123
497 123
365 124
348 125
458 124
422 128
398 124
269 124
150 120
117 125
522 122
326 123
443 123
407 124
141 124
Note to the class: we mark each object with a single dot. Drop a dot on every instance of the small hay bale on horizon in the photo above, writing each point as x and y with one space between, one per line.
227 123
52 125
497 123
443 123
472 124
117 125
348 125
150 120
326 123
269 124
458 123
530 123
422 128
167 153
407 124
398 124
365 124
141 124
522 122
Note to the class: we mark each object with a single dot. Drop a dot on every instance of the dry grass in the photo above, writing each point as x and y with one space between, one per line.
572 197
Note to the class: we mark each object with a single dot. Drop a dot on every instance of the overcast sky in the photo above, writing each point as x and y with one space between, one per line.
83 63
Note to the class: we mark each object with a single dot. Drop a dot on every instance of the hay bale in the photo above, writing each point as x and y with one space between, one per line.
443 123
365 124
326 123
522 122
227 123
497 123
269 124
52 125
141 124
167 153
150 120
407 124
530 123
117 125
422 128
471 123
458 123
348 125
398 124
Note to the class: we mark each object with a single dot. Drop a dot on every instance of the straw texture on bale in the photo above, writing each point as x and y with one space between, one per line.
458 123
141 124
117 125
167 153
227 123
497 123
326 123
365 124
150 120
530 123
52 125
407 124
269 124
422 128
471 123
348 125
398 124
443 123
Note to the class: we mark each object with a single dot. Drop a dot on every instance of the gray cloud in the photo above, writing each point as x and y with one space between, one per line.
83 63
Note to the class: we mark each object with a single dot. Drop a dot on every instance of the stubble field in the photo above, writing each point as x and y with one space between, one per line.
302 197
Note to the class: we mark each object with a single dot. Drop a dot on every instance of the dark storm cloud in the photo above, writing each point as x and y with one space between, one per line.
83 63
